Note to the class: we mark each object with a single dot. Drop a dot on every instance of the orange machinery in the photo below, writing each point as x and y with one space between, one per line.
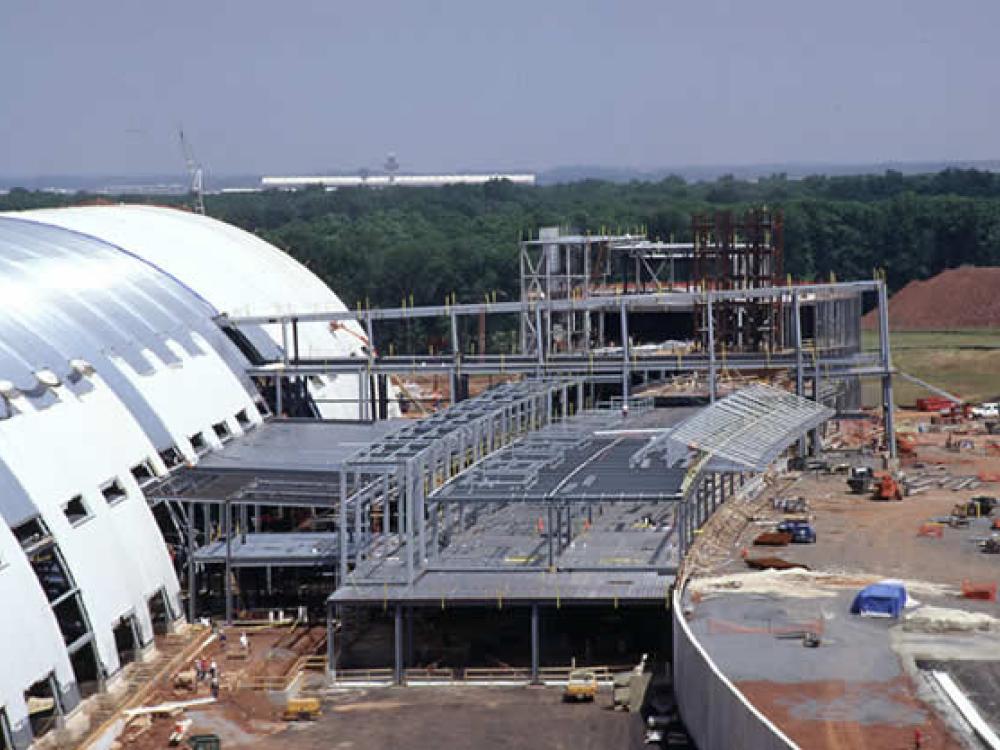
886 487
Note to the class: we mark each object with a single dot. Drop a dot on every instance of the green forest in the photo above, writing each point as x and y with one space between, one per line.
386 246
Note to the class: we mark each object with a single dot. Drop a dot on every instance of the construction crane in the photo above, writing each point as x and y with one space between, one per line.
195 172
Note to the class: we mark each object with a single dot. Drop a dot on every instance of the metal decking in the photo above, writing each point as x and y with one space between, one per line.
300 549
556 516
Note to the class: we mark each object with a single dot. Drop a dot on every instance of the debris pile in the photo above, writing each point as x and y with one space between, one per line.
929 619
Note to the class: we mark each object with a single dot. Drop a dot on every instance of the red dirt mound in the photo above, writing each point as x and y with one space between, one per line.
967 297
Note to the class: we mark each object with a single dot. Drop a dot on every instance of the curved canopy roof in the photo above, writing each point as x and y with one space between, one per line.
746 430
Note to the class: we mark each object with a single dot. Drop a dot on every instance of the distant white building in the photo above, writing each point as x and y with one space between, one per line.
400 180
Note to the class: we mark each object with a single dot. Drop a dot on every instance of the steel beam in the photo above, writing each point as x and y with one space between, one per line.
664 300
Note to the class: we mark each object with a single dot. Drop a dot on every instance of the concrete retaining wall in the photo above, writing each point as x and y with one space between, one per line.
716 714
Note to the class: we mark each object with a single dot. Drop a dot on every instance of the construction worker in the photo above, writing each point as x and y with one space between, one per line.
245 642
215 687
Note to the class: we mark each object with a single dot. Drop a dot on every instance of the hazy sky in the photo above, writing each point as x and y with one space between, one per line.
284 86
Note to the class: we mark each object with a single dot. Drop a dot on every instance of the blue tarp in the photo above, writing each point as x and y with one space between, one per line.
880 600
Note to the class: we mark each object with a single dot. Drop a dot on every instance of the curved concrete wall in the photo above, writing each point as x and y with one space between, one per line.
717 715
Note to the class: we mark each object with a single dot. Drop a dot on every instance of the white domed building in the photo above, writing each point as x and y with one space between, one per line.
113 370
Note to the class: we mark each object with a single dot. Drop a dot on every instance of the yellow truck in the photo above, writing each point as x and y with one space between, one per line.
301 709
581 686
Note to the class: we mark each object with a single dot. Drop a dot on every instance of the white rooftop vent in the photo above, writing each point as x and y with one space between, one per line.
8 389
82 366
48 378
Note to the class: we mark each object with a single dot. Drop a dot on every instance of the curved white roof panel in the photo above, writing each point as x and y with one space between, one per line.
236 272
105 362
68 298
111 354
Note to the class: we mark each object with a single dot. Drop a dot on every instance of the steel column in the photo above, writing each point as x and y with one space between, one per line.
229 562
549 531
456 353
331 651
534 644
421 514
711 349
410 488
342 527
884 351
397 666
192 583
626 370
799 371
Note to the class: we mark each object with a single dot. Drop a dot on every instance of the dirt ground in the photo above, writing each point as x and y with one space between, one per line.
240 714
783 703
880 538
457 718
856 535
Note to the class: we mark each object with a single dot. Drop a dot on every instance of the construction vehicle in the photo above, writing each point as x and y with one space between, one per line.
934 403
801 530
860 479
301 709
204 742
790 504
979 506
984 505
581 685
906 444
989 410
959 517
887 488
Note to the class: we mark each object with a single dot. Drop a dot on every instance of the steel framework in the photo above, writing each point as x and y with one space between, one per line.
821 325
739 253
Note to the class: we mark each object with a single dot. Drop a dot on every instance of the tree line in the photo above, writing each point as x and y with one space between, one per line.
383 247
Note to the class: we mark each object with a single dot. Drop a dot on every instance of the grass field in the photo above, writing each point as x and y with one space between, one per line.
965 363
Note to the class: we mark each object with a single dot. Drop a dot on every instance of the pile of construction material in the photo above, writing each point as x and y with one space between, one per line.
931 477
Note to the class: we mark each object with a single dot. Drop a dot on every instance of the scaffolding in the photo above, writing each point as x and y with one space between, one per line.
727 252
739 253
